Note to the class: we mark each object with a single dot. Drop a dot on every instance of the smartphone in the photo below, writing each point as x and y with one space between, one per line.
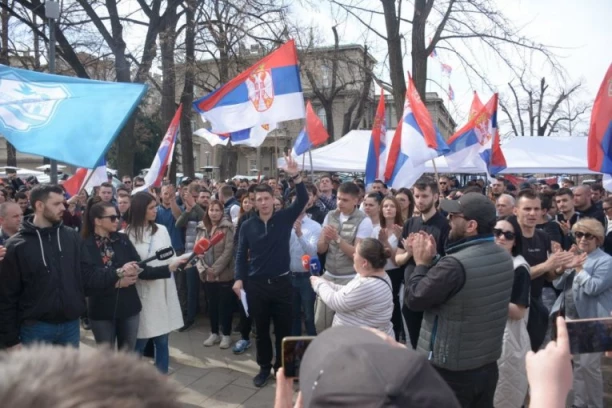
590 335
293 353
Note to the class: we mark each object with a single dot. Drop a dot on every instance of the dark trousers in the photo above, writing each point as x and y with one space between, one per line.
413 323
245 323
181 287
303 299
192 280
473 388
397 277
270 300
221 300
119 331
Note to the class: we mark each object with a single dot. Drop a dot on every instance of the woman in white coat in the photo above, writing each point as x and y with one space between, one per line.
161 311
512 383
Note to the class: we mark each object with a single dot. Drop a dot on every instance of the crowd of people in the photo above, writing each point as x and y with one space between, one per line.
471 277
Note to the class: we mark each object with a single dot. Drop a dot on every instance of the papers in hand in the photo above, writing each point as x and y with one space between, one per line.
243 299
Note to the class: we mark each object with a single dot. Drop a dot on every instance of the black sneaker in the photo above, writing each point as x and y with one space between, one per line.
261 379
187 326
85 323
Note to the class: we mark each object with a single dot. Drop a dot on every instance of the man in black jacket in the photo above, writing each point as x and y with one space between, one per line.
262 269
45 274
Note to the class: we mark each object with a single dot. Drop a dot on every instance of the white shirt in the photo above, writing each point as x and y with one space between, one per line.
364 301
392 242
235 213
364 230
304 245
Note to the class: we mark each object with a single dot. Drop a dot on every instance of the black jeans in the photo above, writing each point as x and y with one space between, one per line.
120 331
221 306
245 323
473 388
270 299
413 323
397 277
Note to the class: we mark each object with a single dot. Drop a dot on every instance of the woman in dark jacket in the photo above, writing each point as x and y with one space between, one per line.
114 312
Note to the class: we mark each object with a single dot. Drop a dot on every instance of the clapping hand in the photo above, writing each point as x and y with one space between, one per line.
423 248
330 233
383 236
297 226
397 230
2 252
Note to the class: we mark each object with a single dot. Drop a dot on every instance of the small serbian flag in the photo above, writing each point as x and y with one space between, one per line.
314 133
451 93
268 92
376 162
599 143
446 69
83 179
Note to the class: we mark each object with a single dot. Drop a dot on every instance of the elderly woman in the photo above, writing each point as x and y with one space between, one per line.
367 300
587 293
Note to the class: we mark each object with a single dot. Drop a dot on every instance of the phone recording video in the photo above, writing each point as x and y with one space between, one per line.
293 353
590 335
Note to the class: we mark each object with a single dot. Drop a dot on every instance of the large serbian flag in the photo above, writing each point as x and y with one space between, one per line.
600 131
270 91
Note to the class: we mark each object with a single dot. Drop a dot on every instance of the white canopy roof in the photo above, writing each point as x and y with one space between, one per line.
524 154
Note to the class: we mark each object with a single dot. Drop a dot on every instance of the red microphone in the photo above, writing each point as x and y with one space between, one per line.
201 247
306 262
218 237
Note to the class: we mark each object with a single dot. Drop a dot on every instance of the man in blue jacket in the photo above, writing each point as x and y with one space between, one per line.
262 269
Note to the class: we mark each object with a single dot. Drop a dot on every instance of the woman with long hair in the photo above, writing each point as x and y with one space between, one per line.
217 271
371 208
406 200
245 205
389 233
512 383
161 311
279 203
114 312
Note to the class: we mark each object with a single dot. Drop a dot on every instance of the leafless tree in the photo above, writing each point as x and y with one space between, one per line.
536 110
11 153
188 88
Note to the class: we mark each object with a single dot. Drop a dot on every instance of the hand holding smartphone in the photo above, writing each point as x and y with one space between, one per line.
293 353
590 335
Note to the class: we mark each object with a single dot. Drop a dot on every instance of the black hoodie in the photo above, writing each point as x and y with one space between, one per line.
44 276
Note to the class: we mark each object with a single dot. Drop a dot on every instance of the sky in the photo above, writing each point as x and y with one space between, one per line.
579 32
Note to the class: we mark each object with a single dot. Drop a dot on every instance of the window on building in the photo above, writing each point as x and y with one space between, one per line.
326 73
322 116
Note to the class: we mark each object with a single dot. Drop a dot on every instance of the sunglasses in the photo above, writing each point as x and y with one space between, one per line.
586 235
507 234
112 218
456 215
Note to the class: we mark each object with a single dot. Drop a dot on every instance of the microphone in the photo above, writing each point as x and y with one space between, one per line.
200 248
315 267
306 262
160 255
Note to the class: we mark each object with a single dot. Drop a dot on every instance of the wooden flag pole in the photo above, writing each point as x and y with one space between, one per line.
437 176
276 155
303 161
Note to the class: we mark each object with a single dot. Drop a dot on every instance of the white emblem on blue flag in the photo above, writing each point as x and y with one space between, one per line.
25 105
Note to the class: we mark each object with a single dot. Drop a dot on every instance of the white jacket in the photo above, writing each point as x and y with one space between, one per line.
512 384
161 311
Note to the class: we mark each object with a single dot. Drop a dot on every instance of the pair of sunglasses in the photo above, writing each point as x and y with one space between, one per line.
580 235
112 218
507 234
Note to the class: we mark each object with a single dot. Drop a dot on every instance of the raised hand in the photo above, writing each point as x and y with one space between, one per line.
291 166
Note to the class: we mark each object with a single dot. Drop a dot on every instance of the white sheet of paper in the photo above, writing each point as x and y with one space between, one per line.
243 299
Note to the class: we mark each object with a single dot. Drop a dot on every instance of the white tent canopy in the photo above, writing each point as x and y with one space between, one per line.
526 154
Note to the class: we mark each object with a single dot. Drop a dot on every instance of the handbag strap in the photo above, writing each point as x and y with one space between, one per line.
382 279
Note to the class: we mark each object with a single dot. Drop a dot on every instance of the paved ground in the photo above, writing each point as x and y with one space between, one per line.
211 377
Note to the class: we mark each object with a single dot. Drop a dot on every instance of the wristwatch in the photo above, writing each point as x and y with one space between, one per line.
337 240
119 273
295 176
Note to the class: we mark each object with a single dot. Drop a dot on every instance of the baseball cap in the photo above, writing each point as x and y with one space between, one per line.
474 206
353 367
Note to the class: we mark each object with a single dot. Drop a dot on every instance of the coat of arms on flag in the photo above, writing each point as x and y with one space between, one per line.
261 89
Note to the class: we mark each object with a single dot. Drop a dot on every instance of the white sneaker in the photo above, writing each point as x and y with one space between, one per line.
226 342
212 340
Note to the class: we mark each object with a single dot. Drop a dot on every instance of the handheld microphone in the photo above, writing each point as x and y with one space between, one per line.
306 262
200 248
160 255
315 267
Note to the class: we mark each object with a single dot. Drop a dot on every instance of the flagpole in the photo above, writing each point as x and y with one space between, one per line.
311 168
86 181
437 177
303 161
276 155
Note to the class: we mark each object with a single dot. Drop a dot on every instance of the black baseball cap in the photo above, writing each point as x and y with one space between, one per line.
473 206
354 367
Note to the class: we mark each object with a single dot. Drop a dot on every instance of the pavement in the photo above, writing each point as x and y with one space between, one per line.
211 377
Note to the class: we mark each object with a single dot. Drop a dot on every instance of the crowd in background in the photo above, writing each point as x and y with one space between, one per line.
471 276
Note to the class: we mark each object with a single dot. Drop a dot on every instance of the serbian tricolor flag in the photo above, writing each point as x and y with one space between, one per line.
86 179
164 154
377 161
600 130
253 137
270 91
416 140
477 143
314 133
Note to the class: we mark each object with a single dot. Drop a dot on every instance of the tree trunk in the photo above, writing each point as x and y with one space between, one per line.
329 117
396 65
419 55
187 95
11 153
229 154
167 41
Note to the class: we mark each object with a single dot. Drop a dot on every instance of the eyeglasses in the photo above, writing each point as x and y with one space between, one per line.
507 234
585 235
112 218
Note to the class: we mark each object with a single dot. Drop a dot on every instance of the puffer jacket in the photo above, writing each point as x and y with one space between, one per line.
222 253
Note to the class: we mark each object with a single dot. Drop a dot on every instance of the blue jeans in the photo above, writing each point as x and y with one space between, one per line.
62 334
303 298
192 278
162 351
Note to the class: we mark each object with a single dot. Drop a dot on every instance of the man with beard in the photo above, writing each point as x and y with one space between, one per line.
445 186
584 204
464 297
44 276
566 215
498 187
426 195
536 249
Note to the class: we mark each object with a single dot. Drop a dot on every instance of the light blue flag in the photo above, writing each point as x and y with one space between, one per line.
72 120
